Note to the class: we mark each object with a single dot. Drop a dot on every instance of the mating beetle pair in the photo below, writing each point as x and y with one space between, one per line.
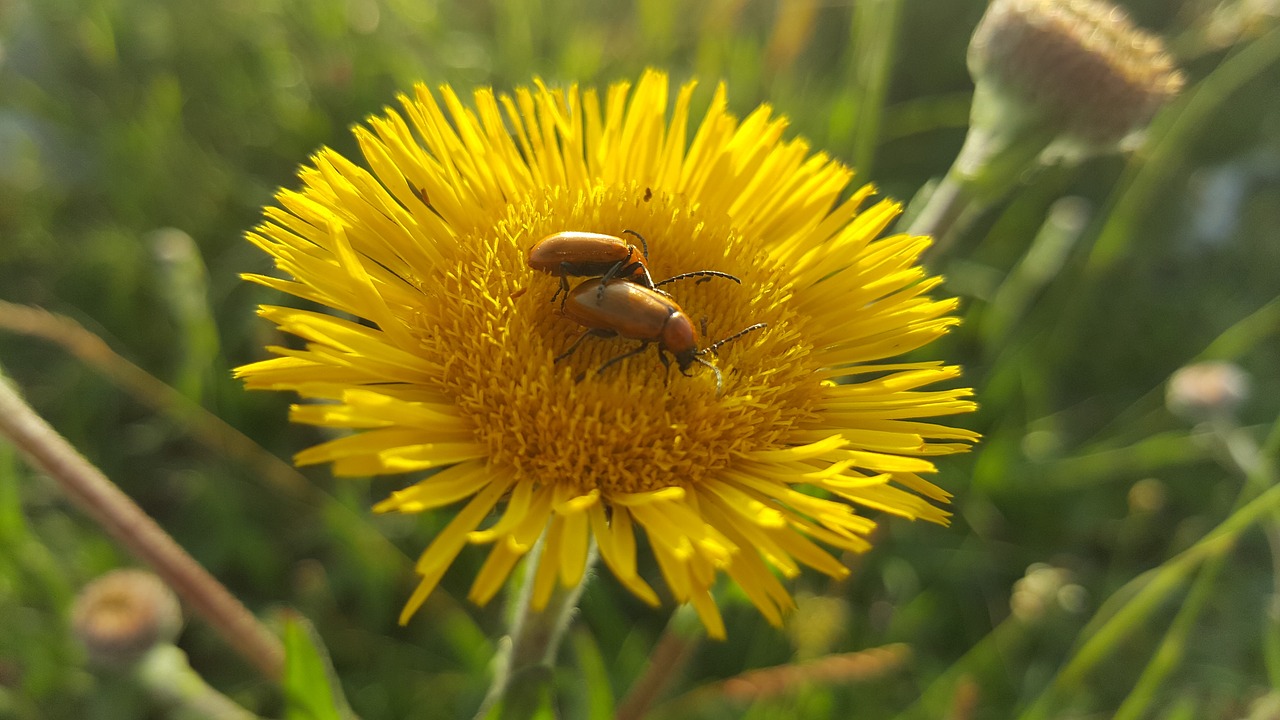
621 297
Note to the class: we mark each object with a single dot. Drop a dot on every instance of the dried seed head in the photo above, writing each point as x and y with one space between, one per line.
1079 64
123 614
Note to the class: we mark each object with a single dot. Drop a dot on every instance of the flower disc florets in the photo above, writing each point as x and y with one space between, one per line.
451 364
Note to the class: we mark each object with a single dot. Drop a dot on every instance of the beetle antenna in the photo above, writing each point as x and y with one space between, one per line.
705 275
716 370
712 347
643 244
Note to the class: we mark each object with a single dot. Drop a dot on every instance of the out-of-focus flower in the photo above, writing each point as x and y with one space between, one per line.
1053 80
1043 589
819 624
448 367
123 614
1147 496
1206 390
1077 68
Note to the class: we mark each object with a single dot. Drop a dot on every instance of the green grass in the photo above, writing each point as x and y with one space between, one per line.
139 140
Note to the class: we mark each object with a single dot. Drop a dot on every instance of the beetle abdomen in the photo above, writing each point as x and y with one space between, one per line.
631 310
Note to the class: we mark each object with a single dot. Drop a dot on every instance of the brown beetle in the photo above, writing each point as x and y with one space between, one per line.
618 307
587 254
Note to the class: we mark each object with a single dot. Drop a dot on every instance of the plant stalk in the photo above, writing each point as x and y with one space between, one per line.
123 520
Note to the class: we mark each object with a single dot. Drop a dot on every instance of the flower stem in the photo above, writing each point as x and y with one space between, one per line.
172 682
123 520
1141 597
1006 640
940 217
522 678
1003 142
1173 648
675 648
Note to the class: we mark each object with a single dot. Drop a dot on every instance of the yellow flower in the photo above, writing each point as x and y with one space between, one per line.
448 365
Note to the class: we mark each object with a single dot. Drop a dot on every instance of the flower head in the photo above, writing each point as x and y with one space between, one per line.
1207 390
123 614
449 365
1079 66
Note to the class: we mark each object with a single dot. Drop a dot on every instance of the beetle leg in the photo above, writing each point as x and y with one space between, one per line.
648 279
626 271
611 274
564 283
572 347
666 365
623 356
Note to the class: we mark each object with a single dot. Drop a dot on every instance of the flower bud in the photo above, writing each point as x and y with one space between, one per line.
1206 390
1079 66
1054 80
123 614
1147 496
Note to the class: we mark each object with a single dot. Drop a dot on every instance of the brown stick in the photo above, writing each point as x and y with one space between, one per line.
669 657
123 520
209 429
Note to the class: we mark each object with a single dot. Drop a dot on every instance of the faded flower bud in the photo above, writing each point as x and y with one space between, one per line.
1080 66
123 614
1053 80
1045 588
1206 390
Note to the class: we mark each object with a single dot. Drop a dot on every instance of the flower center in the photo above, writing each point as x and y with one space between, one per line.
636 426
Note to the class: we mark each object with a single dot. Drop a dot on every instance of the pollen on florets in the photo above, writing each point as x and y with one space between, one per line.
441 355
639 426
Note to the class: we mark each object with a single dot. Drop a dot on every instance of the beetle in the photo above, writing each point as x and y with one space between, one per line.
582 254
618 307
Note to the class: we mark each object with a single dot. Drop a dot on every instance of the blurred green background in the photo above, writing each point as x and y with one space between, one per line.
139 140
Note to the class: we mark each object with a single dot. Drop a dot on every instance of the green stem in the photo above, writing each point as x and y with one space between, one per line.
171 681
991 653
1039 266
1173 647
1244 457
941 215
1003 142
875 41
1140 597
681 638
522 679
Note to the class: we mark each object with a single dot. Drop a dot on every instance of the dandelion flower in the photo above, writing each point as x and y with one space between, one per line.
440 354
